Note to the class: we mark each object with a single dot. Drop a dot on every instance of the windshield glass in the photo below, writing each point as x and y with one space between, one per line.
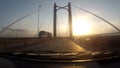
60 28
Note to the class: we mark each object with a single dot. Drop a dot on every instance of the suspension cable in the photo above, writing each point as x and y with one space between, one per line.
75 17
41 23
17 21
58 29
99 18
47 15
50 23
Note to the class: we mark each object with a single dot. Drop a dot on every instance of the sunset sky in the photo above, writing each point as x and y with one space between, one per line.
12 10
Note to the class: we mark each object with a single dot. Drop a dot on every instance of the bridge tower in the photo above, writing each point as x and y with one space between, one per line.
68 8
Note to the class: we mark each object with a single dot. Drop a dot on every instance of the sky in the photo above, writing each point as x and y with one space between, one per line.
12 10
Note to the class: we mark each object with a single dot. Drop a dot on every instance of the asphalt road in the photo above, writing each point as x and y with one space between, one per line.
57 45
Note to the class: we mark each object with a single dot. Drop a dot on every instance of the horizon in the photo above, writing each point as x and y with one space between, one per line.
18 9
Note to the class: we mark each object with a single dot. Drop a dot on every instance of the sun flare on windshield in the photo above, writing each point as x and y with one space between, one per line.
81 26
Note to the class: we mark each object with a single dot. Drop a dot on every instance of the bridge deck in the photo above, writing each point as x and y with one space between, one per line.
57 45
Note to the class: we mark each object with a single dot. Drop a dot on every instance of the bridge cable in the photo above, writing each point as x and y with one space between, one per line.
99 18
50 23
58 28
43 21
17 21
75 17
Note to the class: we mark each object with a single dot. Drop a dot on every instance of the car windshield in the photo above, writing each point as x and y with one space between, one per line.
67 29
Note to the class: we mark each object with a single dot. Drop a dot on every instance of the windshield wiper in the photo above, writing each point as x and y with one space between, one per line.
45 53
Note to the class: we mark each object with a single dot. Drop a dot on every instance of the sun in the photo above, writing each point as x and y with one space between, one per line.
81 26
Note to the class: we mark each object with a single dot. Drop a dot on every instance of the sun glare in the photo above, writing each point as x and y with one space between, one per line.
81 26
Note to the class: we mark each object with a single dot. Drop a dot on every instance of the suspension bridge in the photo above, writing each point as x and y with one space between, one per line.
52 43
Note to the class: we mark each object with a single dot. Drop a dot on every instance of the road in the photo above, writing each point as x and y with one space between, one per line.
57 45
